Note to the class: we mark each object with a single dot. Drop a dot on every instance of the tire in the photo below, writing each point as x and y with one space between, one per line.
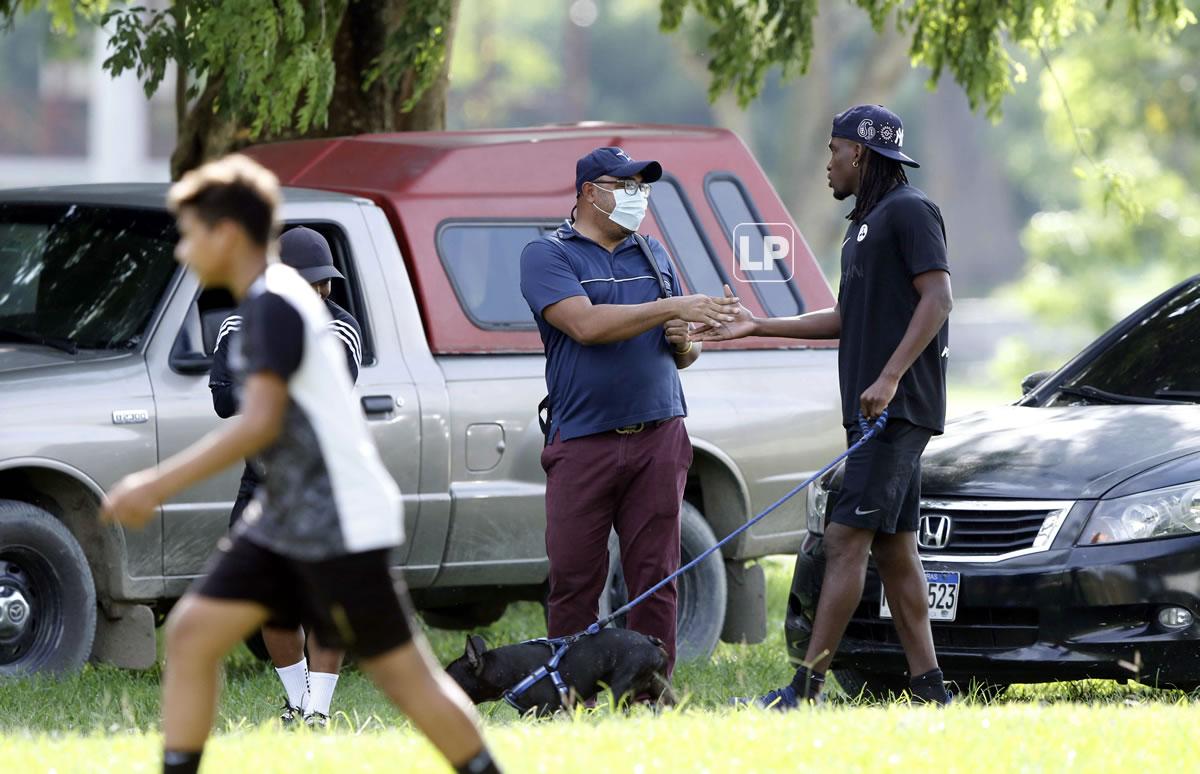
702 590
46 580
873 686
465 617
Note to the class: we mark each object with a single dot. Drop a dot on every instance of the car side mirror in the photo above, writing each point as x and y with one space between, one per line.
1033 380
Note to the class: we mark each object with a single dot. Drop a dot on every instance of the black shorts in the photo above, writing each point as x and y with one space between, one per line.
351 602
881 489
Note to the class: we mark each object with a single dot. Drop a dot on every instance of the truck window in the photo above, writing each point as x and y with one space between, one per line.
202 325
483 262
686 243
82 276
732 205
348 295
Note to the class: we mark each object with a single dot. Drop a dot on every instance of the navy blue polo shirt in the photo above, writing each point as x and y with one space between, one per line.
601 387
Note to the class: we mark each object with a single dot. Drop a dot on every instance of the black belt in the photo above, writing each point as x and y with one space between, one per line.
640 426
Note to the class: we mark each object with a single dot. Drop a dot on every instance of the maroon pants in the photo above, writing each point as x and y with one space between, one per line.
633 483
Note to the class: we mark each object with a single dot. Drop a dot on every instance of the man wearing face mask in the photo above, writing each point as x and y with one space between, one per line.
615 329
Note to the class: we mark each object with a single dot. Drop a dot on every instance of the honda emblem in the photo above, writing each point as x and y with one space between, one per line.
934 531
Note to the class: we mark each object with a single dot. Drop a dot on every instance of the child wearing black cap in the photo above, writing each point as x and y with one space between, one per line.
308 686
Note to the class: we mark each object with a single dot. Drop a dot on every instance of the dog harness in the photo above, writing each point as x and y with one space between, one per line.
558 648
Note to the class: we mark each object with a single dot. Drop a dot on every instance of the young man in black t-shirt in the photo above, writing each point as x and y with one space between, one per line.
314 544
308 683
891 318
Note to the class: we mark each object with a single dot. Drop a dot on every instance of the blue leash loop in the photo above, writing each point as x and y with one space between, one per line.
869 431
559 645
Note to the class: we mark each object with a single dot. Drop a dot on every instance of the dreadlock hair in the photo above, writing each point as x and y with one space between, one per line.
878 176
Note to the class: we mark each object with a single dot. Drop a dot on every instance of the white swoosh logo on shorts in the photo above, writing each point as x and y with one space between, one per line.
860 512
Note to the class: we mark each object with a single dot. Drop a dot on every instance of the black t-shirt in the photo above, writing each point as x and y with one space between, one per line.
902 237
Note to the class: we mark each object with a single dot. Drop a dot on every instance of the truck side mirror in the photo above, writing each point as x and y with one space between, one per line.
1031 382
186 359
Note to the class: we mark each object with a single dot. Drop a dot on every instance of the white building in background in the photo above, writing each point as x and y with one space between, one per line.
126 137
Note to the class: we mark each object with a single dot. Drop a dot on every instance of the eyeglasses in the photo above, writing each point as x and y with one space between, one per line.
630 185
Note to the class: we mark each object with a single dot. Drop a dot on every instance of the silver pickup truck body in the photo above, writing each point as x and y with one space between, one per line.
458 432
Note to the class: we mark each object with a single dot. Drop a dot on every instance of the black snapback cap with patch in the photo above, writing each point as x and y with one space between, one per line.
876 127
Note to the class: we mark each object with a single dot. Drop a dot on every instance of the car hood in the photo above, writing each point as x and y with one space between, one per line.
1077 452
26 361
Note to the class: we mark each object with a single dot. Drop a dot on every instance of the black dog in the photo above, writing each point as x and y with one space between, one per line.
632 665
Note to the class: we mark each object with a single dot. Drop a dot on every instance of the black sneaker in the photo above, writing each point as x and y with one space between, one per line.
290 715
930 688
316 720
781 699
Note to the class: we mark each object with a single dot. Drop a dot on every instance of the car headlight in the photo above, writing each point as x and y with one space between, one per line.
819 498
1157 514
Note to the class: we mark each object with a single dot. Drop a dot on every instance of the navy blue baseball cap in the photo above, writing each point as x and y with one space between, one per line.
308 253
615 162
876 127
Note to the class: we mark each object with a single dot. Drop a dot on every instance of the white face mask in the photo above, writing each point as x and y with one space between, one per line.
629 210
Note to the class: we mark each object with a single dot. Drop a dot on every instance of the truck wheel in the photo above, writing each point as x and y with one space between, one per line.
464 617
702 591
47 596
857 683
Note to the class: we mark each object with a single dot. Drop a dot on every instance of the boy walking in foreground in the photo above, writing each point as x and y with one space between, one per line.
313 545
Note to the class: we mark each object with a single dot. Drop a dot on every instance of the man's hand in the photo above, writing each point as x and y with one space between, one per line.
133 501
742 324
877 397
706 310
677 335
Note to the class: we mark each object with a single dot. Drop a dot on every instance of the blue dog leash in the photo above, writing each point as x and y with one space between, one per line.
559 645
869 431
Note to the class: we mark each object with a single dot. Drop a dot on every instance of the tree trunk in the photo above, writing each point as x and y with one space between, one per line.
353 110
361 37
203 133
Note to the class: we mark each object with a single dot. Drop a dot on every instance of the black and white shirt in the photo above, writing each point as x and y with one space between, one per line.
326 492
225 389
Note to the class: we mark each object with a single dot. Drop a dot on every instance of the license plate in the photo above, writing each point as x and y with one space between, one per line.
943 597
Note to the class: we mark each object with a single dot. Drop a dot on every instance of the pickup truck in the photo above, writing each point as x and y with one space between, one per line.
105 345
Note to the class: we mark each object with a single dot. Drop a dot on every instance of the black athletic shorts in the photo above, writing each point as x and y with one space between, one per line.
881 489
351 601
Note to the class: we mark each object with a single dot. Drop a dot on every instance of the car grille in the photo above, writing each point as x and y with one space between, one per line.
999 628
989 528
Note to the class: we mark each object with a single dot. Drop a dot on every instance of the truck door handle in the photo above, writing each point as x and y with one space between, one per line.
378 404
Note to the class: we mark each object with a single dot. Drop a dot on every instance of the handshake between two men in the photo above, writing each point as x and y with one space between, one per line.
716 319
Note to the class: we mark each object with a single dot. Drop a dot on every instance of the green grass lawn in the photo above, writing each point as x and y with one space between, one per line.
105 719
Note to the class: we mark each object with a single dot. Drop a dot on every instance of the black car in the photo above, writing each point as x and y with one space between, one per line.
1060 535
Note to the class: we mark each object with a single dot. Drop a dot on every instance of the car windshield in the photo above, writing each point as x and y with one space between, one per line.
1155 360
82 276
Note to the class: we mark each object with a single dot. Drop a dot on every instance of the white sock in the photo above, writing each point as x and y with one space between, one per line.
295 682
322 685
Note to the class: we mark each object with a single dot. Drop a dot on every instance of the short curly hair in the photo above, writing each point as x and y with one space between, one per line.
233 188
